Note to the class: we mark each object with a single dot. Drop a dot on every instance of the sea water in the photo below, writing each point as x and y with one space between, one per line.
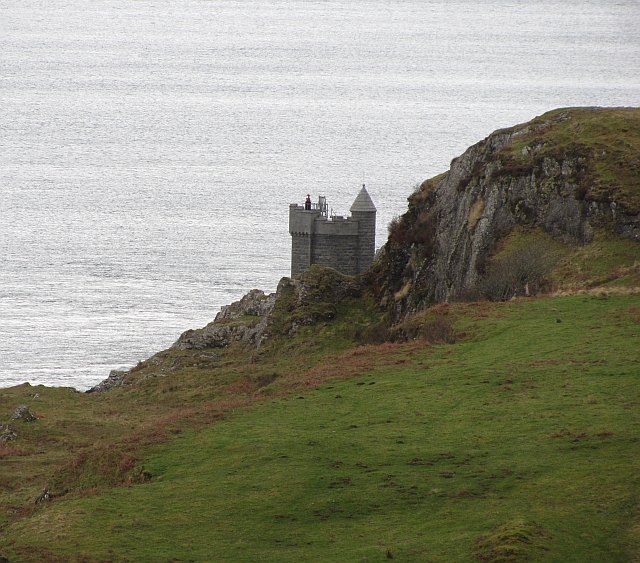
149 149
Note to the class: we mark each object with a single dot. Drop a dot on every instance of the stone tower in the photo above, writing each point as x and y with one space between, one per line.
364 212
345 244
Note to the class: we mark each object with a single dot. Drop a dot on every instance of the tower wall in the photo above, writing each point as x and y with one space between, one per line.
366 238
300 253
301 227
302 220
336 251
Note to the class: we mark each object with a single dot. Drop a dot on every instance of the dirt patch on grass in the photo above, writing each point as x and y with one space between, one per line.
8 450
634 314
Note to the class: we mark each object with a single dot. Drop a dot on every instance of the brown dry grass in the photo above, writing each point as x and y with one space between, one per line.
8 450
597 291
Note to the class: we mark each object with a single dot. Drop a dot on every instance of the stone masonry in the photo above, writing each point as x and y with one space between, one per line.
345 244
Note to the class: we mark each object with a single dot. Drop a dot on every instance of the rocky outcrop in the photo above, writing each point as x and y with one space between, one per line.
568 173
324 285
313 297
116 379
309 298
242 321
254 304
545 174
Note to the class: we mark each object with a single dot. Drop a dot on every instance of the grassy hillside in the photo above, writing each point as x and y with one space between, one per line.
520 439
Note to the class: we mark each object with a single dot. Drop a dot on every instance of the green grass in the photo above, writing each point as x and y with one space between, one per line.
519 441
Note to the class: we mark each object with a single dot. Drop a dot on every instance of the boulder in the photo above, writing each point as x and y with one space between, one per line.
24 414
7 433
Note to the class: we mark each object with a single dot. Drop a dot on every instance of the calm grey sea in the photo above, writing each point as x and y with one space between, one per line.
149 149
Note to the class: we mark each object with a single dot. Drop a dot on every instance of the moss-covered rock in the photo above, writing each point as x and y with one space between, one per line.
311 297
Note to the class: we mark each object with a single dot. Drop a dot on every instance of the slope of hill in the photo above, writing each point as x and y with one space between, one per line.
519 440
345 419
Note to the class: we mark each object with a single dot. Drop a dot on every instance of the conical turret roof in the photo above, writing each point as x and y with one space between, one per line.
363 202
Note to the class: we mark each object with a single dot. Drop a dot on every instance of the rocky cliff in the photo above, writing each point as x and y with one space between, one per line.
568 173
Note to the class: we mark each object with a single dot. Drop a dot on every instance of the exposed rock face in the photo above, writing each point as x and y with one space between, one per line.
528 175
255 303
116 379
232 325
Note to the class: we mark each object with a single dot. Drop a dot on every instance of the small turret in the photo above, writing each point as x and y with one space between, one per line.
364 211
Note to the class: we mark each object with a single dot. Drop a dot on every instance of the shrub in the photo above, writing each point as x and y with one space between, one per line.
376 333
523 272
433 326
